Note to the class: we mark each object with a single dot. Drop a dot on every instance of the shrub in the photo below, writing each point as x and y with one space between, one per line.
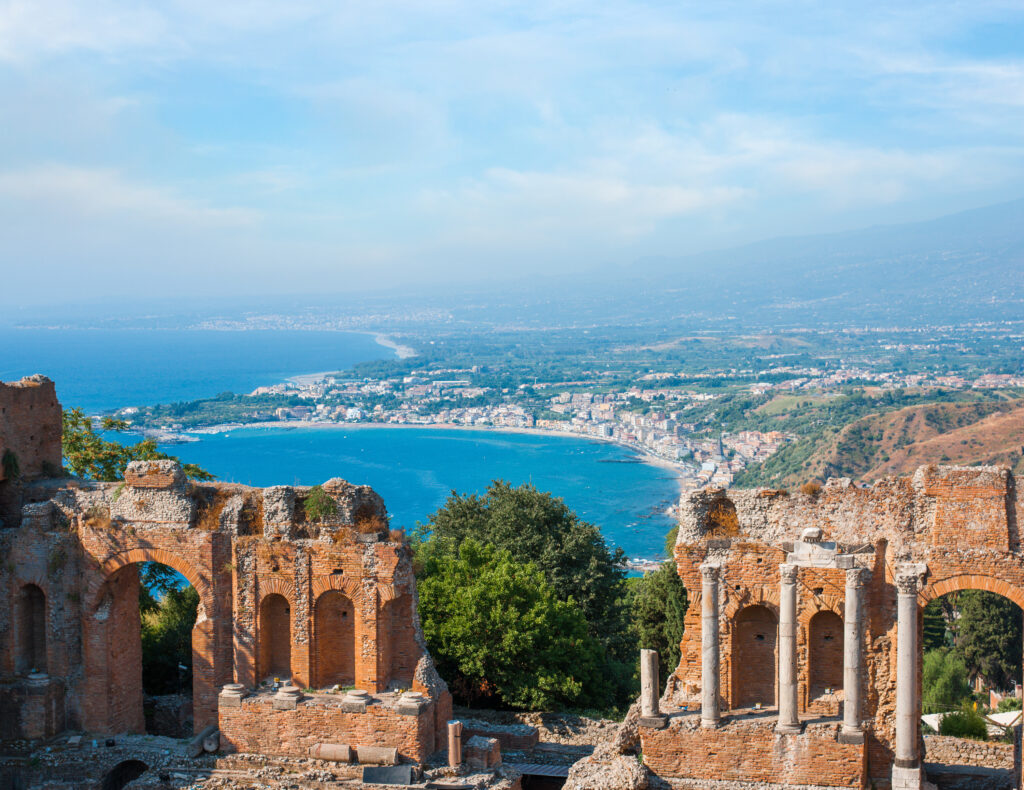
812 488
1009 703
964 723
318 504
11 467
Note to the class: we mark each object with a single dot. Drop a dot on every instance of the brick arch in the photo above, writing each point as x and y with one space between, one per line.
271 585
970 581
148 554
336 581
820 603
386 592
767 597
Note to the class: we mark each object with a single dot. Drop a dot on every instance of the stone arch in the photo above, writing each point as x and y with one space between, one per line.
969 581
275 636
818 604
31 611
824 652
113 661
334 639
736 601
754 656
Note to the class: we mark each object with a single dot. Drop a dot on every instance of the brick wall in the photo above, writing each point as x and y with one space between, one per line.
749 750
30 426
335 639
257 727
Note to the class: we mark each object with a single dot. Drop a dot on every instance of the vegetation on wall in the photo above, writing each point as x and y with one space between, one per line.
88 455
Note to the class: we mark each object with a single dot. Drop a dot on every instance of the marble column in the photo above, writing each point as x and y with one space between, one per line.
789 721
709 672
906 771
650 689
853 652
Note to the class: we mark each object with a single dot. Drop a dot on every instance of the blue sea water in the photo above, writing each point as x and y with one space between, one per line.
414 469
101 369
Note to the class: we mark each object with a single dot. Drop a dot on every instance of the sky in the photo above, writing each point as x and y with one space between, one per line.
229 148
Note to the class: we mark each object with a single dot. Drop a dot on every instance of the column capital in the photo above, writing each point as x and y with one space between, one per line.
857 577
710 571
788 573
908 578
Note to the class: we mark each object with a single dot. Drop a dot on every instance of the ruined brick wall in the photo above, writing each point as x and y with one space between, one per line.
962 524
30 426
342 593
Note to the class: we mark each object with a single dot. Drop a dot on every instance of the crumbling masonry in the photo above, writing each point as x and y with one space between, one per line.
325 610
801 660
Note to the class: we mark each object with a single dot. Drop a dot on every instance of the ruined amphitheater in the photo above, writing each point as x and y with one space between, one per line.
800 668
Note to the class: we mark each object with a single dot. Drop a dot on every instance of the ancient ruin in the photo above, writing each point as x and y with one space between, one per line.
801 663
800 667
307 636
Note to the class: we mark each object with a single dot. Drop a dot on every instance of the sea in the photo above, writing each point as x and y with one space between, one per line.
413 469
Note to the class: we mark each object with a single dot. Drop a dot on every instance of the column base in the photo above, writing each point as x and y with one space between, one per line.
851 735
907 778
710 724
658 722
788 729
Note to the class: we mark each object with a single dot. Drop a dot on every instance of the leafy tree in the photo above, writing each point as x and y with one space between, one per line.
943 681
89 455
499 632
536 527
167 641
936 630
988 636
1009 703
658 605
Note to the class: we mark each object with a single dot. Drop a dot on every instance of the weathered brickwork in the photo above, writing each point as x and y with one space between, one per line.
953 528
322 603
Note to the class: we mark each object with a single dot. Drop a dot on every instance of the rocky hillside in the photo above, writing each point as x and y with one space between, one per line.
899 441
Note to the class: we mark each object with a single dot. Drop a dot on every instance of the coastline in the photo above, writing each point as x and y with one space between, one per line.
385 341
642 456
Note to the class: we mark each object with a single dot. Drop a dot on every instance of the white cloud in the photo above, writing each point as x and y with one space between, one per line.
99 192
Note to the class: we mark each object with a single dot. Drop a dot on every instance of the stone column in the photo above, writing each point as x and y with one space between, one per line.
650 688
906 769
709 672
853 655
789 720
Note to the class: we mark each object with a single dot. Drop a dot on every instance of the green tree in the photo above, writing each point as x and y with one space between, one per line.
936 631
658 604
988 636
89 455
944 684
167 641
534 526
499 632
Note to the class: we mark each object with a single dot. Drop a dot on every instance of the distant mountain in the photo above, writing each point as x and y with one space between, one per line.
965 266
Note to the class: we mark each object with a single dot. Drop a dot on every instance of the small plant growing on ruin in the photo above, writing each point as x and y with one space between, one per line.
811 488
97 517
117 493
318 505
371 525
12 469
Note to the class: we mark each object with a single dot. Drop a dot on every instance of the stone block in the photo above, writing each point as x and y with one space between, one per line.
389 774
482 753
164 474
654 722
377 755
412 703
231 696
287 698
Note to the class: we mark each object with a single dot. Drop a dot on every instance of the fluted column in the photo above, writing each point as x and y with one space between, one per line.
906 772
853 652
709 672
788 718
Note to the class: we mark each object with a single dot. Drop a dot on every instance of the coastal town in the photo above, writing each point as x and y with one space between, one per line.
675 426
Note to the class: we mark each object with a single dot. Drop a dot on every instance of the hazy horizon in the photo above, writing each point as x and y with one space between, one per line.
222 150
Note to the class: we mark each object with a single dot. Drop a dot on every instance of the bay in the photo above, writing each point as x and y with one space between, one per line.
414 470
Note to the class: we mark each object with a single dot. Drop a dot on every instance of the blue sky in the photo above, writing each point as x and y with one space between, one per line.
287 147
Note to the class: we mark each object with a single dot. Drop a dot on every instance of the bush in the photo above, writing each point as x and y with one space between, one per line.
319 505
1009 703
965 723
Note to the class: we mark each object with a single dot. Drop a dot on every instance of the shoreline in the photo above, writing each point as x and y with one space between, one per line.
381 339
642 456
